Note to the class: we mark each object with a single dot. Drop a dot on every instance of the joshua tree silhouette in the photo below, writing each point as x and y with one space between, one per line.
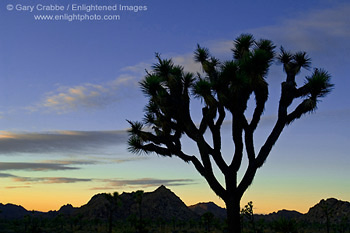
224 89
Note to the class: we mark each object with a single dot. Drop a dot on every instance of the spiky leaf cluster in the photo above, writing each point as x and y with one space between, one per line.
319 84
166 88
292 63
233 82
316 86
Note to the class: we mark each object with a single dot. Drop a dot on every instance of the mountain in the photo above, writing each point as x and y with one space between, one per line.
163 203
10 211
204 207
336 210
285 214
95 208
67 210
159 204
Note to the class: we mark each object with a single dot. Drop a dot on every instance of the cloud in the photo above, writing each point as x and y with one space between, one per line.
44 180
103 188
110 183
323 30
139 68
72 162
18 187
85 96
35 166
63 180
187 61
132 159
6 175
222 47
147 182
49 165
88 95
63 142
319 30
48 180
107 183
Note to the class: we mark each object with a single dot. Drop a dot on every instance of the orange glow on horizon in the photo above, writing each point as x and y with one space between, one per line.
44 198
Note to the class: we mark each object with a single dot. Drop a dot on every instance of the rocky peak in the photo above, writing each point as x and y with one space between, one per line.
164 204
162 191
161 188
204 207
67 209
332 208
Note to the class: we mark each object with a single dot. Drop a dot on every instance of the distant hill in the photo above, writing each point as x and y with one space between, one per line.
10 211
67 209
335 209
95 208
163 204
202 208
286 214
159 204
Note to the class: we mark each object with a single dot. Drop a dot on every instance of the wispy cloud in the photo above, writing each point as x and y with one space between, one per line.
63 180
88 95
49 180
322 30
45 180
139 68
319 30
187 61
69 98
71 162
131 159
63 142
147 182
105 183
18 187
35 166
6 175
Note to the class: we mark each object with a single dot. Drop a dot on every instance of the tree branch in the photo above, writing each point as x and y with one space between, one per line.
306 106
247 178
150 147
260 99
221 117
206 171
249 143
271 140
216 135
237 132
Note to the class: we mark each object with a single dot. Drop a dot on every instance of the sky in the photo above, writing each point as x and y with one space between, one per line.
68 86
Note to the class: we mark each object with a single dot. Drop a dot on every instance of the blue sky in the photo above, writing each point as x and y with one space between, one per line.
67 88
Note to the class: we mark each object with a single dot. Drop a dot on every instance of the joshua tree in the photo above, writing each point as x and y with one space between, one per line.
248 212
224 89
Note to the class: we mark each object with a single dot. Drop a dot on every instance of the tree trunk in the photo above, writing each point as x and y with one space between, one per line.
233 215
